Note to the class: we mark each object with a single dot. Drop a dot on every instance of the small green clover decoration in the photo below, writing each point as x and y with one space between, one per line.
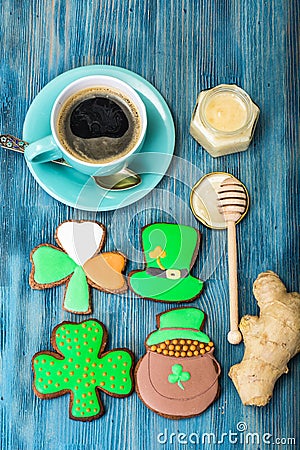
178 375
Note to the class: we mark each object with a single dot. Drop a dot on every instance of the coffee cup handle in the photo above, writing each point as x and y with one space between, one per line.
43 150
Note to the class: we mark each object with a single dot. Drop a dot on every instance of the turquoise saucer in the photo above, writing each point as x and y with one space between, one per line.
80 191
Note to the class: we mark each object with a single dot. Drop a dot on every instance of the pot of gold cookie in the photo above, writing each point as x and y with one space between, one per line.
178 376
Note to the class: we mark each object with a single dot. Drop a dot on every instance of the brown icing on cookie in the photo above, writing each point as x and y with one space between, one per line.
168 399
104 271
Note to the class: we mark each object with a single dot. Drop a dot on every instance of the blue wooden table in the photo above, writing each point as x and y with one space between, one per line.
180 47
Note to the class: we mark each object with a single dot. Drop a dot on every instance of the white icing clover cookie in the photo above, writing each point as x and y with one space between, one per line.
79 263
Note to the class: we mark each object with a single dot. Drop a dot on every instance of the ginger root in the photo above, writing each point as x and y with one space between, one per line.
271 340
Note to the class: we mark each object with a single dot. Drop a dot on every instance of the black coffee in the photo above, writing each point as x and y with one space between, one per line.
98 125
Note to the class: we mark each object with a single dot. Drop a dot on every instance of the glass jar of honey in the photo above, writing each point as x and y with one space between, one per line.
224 120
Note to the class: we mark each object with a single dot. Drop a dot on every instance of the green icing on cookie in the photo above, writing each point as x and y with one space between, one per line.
179 323
77 294
82 371
178 376
51 265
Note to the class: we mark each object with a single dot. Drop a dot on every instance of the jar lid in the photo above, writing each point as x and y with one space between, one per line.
204 200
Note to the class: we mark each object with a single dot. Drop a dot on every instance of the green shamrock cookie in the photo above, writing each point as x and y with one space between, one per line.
80 368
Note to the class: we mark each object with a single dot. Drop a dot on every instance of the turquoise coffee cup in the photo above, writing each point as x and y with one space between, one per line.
51 148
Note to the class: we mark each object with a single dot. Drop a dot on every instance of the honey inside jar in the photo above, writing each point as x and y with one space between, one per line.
224 120
226 112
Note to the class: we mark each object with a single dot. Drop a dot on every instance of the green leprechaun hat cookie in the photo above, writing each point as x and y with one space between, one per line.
170 251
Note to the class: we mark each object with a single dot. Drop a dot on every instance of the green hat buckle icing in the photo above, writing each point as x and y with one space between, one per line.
170 251
181 323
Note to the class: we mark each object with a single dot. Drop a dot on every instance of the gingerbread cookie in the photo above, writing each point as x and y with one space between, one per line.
79 264
178 376
170 251
79 367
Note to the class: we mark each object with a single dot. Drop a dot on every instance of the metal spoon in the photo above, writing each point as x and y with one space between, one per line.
124 179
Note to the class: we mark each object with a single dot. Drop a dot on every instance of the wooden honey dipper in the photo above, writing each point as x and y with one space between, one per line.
233 201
